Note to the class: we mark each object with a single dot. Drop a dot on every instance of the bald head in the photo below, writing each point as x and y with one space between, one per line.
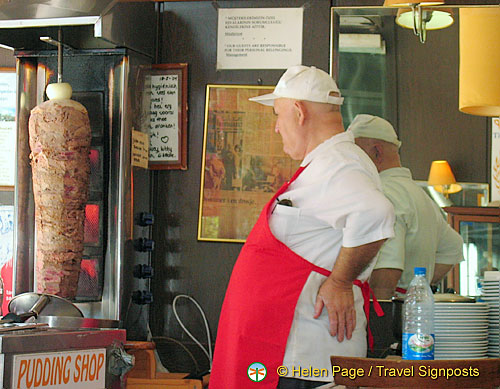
323 119
378 139
385 155
303 125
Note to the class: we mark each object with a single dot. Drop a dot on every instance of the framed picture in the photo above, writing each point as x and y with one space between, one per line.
495 160
167 115
7 128
243 162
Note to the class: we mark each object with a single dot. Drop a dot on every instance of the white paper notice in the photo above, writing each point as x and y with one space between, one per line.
495 159
259 38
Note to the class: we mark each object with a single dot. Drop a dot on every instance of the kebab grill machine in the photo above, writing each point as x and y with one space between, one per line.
82 211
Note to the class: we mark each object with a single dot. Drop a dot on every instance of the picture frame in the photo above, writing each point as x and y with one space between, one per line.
167 116
243 162
8 80
495 160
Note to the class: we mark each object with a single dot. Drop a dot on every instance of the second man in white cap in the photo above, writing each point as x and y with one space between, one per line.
423 237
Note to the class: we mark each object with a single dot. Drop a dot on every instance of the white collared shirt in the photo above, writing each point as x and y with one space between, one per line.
336 201
422 235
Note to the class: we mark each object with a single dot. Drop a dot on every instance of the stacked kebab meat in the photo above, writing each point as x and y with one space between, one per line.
59 137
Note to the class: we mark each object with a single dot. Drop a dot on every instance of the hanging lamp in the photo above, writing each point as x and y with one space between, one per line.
479 75
428 19
421 18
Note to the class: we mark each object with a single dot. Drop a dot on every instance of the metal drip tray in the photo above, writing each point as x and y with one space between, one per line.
9 327
67 322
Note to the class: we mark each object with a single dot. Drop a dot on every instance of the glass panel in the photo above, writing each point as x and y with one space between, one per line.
473 194
92 225
90 280
481 253
362 83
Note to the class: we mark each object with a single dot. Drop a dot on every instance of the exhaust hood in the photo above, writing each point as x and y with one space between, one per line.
36 13
115 23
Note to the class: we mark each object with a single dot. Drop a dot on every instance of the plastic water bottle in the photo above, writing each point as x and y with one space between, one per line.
418 319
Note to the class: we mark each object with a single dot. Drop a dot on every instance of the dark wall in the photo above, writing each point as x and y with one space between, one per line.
430 125
202 269
428 120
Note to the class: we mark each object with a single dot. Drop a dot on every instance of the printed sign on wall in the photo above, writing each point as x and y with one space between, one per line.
495 159
259 38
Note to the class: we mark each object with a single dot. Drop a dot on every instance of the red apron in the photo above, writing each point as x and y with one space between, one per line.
259 306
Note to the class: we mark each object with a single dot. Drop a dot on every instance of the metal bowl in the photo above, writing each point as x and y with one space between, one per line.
55 306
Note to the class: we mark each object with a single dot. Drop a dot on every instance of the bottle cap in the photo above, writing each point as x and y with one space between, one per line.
420 271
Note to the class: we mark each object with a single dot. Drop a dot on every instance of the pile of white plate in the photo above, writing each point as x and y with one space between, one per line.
490 295
461 330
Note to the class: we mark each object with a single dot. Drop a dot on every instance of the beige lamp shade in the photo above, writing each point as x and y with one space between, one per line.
409 3
440 18
479 76
442 178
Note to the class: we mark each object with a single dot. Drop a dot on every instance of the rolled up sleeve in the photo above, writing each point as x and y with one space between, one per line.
361 210
374 223
450 249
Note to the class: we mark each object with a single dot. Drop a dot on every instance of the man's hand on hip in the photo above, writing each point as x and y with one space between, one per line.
336 291
338 299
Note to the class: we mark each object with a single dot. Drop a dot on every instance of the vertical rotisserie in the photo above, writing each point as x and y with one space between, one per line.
59 137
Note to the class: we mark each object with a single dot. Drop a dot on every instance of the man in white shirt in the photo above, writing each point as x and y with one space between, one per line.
422 236
304 266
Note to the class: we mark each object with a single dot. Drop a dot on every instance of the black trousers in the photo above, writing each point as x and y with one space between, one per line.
294 383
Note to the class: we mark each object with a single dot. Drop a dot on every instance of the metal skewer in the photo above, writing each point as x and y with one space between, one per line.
59 56
59 89
60 45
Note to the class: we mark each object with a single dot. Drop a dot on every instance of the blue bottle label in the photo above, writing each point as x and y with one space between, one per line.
418 346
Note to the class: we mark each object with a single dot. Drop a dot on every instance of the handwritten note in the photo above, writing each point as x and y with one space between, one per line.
140 149
7 127
164 118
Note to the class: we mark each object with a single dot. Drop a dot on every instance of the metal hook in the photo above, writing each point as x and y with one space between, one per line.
59 44
420 19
